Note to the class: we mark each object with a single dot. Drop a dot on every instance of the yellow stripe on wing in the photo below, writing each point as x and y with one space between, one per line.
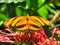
8 22
33 28
45 21
33 23
16 20
37 19
22 22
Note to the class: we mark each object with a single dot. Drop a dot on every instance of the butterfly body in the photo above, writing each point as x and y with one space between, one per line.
27 22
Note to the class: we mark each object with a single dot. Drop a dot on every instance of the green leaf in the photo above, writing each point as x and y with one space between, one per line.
15 1
50 9
3 17
57 3
10 1
18 12
34 4
2 7
47 31
24 13
40 2
1 22
27 4
22 44
43 12
3 10
21 0
52 5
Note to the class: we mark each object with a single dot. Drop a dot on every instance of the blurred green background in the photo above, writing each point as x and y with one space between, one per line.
43 8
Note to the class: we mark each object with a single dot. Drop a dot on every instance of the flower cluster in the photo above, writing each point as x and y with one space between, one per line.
34 38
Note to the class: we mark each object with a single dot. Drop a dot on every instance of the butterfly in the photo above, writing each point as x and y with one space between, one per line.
27 22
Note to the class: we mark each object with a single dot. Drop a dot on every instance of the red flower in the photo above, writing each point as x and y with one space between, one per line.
58 42
5 39
54 31
41 30
52 41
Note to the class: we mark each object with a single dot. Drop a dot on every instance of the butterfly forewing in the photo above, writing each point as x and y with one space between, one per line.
27 22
